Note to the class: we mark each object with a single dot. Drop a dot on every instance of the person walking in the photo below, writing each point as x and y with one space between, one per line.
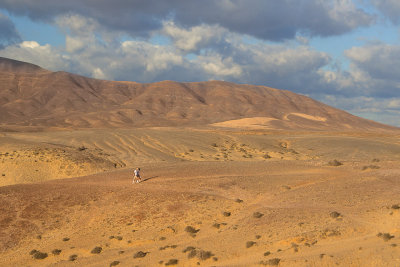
136 176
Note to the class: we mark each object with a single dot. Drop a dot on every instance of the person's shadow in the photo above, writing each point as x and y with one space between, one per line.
144 180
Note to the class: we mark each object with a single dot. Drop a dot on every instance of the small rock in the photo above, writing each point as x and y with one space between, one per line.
335 214
56 251
39 255
188 249
140 254
274 261
73 257
257 214
249 244
171 262
216 225
385 236
191 229
96 250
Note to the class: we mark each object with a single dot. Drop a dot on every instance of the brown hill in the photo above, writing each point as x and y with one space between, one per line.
31 96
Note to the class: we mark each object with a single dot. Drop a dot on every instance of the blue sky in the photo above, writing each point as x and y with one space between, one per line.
345 53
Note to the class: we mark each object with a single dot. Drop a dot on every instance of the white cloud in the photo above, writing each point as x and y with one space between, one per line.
73 44
280 20
390 8
32 45
194 38
346 14
98 74
42 55
385 110
218 67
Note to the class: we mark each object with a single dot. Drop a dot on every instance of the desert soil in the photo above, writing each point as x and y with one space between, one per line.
210 197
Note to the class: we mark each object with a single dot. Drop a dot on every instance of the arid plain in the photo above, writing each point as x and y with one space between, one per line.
298 185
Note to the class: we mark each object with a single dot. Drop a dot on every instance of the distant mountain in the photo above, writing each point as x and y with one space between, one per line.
32 96
11 65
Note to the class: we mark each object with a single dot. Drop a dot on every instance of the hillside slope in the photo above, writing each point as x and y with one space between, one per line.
31 96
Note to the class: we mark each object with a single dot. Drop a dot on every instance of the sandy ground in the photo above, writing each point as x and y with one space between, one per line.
209 198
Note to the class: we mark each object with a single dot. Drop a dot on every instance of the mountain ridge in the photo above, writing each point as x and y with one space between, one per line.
34 97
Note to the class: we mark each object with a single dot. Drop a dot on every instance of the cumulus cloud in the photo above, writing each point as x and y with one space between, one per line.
42 55
211 52
370 87
390 8
384 110
195 38
8 32
264 19
375 67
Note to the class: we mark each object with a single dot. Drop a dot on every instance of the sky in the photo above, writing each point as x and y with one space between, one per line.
345 53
